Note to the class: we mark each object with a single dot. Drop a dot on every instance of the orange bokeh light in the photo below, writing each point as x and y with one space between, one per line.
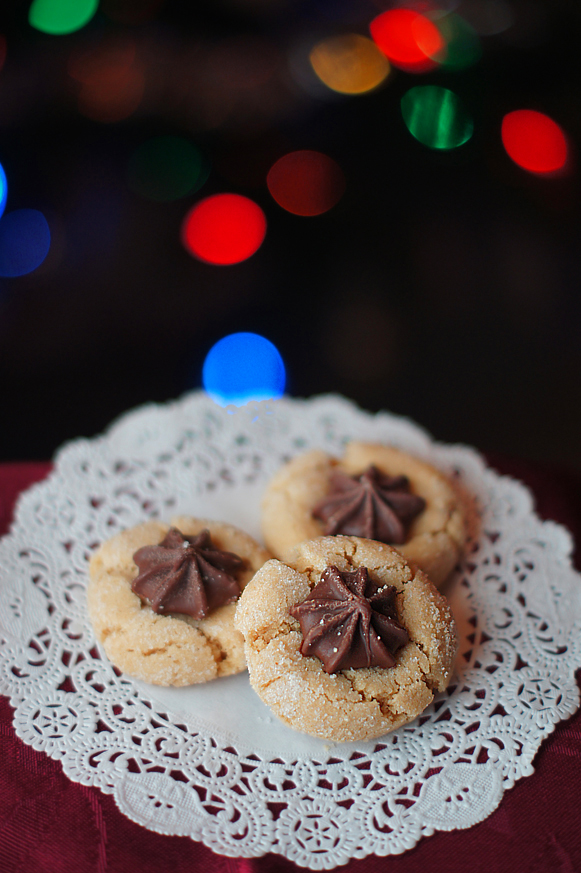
411 41
534 141
349 63
224 229
306 182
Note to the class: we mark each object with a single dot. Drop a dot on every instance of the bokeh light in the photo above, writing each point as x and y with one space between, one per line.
462 47
112 79
349 63
3 190
301 70
436 117
58 17
242 367
534 141
224 229
24 242
306 182
410 40
167 168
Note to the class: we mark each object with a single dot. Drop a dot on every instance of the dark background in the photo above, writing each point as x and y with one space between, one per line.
444 286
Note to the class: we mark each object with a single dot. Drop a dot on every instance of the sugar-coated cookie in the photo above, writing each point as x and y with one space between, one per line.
354 703
433 536
172 648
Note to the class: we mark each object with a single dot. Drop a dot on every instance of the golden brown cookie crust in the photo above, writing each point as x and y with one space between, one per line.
165 649
352 704
436 539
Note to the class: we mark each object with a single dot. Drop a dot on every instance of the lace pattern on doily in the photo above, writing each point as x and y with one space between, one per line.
516 599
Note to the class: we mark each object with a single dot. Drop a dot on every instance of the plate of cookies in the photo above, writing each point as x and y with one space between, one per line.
291 627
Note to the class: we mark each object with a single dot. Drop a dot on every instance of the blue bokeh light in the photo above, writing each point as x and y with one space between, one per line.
24 242
3 190
242 367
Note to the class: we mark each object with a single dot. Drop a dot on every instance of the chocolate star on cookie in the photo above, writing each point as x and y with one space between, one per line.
372 505
350 621
188 575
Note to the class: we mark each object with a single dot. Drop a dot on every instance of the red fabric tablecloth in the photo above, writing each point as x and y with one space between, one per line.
48 823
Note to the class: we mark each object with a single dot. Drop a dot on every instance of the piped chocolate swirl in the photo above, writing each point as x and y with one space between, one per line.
372 505
349 621
186 574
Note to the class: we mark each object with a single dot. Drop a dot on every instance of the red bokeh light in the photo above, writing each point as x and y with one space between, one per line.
534 141
112 79
306 182
411 41
224 229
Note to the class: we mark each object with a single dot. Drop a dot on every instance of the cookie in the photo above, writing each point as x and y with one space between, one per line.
434 538
172 648
352 703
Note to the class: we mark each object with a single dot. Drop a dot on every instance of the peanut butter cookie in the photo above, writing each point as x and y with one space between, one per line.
162 599
345 640
373 491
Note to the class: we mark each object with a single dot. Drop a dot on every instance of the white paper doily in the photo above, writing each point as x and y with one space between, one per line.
211 762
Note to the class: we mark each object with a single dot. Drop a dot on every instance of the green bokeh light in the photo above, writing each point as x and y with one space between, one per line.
58 17
167 168
462 43
436 117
